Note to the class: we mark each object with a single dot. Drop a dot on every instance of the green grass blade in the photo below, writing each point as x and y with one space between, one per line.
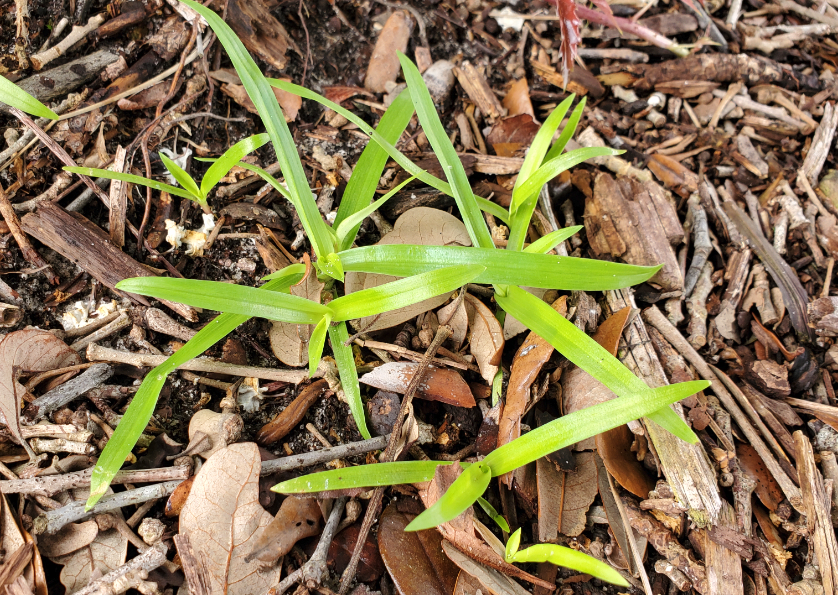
345 360
447 155
460 495
404 292
493 514
348 228
267 106
502 266
541 143
360 189
585 423
564 556
567 132
525 196
184 179
231 157
226 297
392 151
142 405
316 343
131 179
283 191
512 545
546 243
584 352
364 476
12 95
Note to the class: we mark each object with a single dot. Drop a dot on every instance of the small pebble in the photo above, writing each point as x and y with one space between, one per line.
440 80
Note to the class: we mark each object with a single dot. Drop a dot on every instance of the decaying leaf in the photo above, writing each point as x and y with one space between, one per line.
766 489
581 390
439 384
297 519
289 342
614 446
28 350
370 564
70 538
420 226
577 494
517 100
527 363
414 560
105 553
223 519
455 316
485 337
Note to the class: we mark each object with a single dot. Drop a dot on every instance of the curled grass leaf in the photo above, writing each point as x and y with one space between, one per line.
564 556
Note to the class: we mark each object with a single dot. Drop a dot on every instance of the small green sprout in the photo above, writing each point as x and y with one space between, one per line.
493 514
562 556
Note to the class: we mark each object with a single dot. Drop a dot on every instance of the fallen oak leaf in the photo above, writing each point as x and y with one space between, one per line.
223 519
28 350
439 384
486 337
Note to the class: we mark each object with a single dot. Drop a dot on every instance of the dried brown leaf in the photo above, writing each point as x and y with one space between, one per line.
289 342
455 316
25 351
527 363
495 582
70 538
577 495
486 337
223 519
439 384
414 560
614 447
420 226
767 489
517 100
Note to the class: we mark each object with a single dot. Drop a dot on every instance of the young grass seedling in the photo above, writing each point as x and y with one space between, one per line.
562 556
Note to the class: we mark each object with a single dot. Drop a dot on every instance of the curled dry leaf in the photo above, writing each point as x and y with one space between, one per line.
178 498
105 553
217 429
419 226
289 342
455 316
614 446
414 560
486 338
223 519
527 363
288 418
297 519
25 351
517 100
439 384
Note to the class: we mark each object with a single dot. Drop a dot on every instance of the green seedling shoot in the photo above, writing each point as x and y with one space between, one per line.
562 556
425 271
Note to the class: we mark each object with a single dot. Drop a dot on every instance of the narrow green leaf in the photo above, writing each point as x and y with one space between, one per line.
541 143
183 178
130 178
267 106
282 190
348 228
345 360
404 292
584 352
226 297
142 405
585 423
564 556
525 196
447 155
546 243
512 545
394 153
502 266
567 132
493 514
460 495
363 476
12 95
330 265
316 343
231 157
367 172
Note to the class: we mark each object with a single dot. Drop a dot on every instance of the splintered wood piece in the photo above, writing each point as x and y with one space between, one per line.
276 429
724 567
581 81
479 91
119 200
77 239
684 465
816 508
31 255
384 64
261 33
637 223
193 567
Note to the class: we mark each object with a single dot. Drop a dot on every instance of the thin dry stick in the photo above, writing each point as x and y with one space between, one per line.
443 332
7 212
